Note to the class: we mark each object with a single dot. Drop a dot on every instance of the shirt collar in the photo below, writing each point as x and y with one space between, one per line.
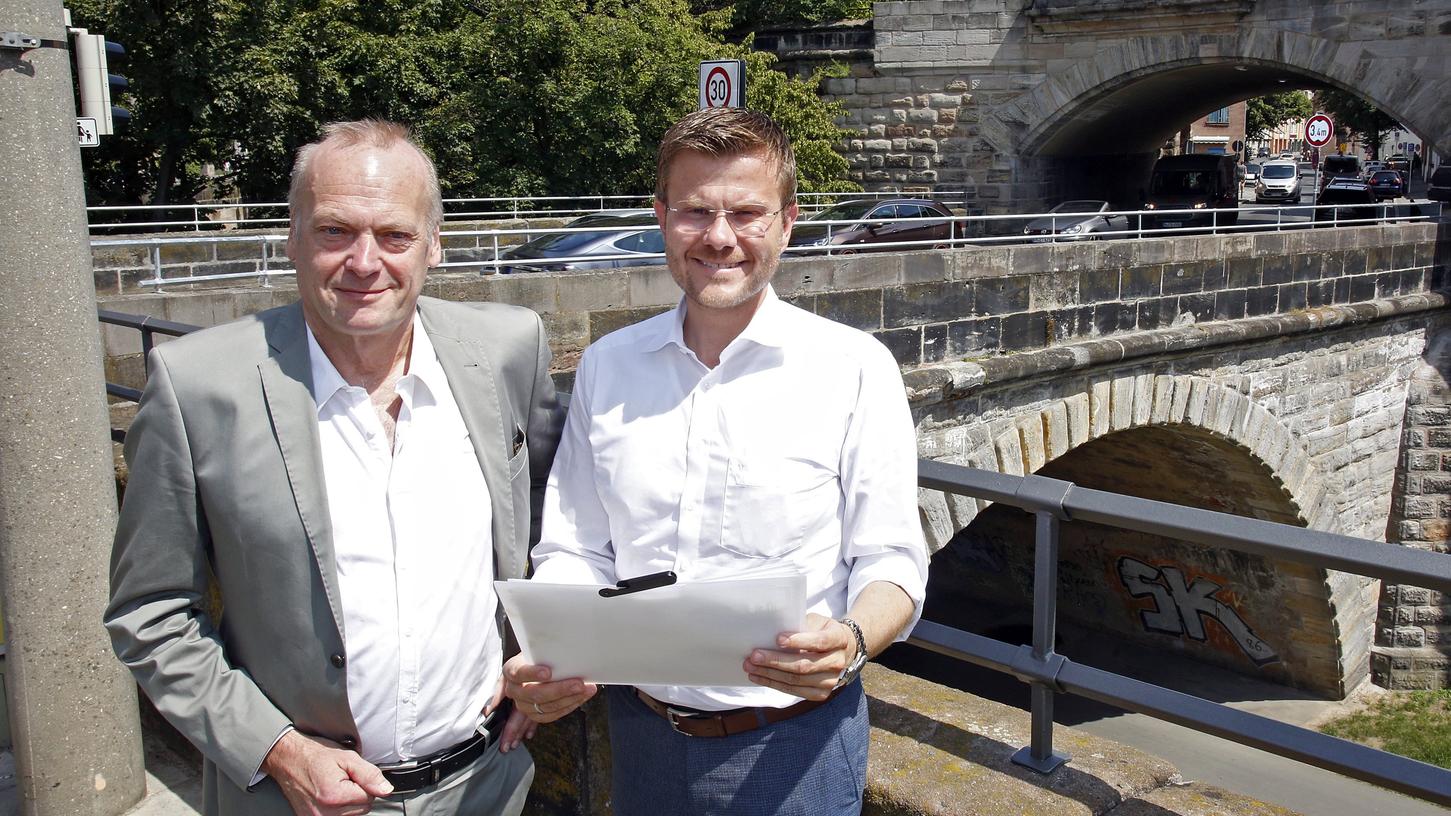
422 365
767 326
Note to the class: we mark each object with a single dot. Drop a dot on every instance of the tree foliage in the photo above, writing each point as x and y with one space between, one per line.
512 97
1265 113
758 14
1353 115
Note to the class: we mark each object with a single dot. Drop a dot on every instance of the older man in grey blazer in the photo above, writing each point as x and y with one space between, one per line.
350 473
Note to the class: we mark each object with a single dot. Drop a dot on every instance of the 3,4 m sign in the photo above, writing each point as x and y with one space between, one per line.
722 84
1319 130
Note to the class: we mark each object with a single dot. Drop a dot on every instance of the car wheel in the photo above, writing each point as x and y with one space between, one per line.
942 246
846 252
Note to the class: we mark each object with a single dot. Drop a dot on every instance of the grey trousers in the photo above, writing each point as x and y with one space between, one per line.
495 785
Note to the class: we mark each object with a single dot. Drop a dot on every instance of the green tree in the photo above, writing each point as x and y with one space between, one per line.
512 97
1355 115
1265 113
755 15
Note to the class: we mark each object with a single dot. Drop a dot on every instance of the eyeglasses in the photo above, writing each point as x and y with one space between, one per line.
746 221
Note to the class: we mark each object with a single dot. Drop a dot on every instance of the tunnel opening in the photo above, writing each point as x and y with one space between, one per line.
1103 145
1157 609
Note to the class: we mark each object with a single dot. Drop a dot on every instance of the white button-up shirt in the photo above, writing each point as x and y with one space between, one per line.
413 546
796 452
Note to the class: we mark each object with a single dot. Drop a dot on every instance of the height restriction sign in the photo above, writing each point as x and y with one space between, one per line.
723 84
1319 130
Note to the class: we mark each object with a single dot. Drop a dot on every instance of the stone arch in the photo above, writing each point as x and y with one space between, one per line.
1191 407
1262 56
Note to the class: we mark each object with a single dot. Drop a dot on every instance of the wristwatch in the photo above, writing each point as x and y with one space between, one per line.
850 673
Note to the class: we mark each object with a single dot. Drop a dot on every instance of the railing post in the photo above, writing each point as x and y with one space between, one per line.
495 236
1045 496
156 261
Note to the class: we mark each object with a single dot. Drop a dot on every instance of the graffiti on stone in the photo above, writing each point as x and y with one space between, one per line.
1181 607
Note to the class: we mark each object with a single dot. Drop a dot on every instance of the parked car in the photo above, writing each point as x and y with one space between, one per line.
1354 204
1078 220
633 235
1192 181
1372 166
1251 172
875 221
1386 184
1438 187
1279 182
1399 163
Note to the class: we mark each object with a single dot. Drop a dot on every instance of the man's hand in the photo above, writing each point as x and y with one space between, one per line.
808 663
537 697
320 778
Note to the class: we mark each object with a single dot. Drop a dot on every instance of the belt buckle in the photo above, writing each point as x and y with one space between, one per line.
674 715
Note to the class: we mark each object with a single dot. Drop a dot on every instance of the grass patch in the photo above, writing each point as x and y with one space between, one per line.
1415 724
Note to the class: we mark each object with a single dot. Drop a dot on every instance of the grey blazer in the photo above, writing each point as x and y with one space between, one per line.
226 489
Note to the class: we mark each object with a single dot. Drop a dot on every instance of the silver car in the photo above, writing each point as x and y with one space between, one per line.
1077 220
612 240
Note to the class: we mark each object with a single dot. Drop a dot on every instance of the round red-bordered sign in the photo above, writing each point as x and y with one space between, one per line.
1319 130
717 88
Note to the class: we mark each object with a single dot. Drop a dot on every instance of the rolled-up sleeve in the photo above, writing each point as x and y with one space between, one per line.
882 536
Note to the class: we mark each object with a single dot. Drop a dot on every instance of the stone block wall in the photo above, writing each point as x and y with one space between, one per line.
1414 623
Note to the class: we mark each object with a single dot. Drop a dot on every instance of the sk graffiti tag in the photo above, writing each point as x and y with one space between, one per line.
1180 607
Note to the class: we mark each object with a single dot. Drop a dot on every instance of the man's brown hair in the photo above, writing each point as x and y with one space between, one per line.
727 133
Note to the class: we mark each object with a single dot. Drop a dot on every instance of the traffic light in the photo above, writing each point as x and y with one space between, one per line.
94 80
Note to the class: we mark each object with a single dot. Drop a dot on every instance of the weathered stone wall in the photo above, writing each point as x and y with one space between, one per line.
977 97
1413 622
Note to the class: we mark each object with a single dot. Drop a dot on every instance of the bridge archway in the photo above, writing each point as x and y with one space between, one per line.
1271 619
1094 129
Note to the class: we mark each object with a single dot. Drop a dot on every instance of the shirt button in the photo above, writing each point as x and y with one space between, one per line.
338 661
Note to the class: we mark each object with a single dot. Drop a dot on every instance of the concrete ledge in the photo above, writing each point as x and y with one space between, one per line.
938 751
937 383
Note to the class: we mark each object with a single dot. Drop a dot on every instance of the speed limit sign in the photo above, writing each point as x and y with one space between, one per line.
1319 130
723 84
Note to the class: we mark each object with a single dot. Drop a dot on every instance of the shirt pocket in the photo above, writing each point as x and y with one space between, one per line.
769 506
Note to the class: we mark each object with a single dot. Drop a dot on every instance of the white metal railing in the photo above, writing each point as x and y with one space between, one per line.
236 215
973 230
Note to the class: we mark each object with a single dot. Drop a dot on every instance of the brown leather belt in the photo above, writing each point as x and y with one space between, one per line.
693 722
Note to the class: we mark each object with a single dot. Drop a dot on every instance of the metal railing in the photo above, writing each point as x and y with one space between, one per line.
237 215
149 328
1052 502
956 232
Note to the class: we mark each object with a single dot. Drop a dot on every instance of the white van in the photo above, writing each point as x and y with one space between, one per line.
1279 181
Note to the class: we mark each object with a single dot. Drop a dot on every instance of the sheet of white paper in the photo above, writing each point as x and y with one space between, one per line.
686 634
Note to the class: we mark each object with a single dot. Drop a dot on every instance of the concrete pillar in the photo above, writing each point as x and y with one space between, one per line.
73 711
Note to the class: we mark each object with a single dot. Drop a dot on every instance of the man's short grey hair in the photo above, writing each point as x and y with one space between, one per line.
377 133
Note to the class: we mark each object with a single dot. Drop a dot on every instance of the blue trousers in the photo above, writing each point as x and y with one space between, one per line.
811 765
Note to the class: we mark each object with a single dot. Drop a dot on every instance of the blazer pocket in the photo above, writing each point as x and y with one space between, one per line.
519 455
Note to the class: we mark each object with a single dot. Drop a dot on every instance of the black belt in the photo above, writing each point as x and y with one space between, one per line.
417 774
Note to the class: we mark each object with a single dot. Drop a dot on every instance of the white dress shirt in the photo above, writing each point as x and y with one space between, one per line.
796 452
413 545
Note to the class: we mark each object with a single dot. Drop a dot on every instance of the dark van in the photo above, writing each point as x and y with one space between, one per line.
1193 181
1333 167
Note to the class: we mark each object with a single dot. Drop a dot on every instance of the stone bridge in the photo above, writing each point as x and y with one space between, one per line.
1297 377
1021 103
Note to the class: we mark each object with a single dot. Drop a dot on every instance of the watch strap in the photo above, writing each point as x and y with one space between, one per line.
853 669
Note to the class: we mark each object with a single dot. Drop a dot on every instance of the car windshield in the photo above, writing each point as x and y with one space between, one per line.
1253 169
1341 164
845 211
1087 205
1441 176
1173 182
564 243
1278 171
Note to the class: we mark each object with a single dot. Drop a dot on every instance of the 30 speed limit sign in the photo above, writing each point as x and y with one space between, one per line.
722 84
1319 130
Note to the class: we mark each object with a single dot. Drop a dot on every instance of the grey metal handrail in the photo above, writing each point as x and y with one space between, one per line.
149 328
1047 673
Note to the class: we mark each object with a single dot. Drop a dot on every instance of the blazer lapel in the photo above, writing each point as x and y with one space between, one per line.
475 387
287 386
